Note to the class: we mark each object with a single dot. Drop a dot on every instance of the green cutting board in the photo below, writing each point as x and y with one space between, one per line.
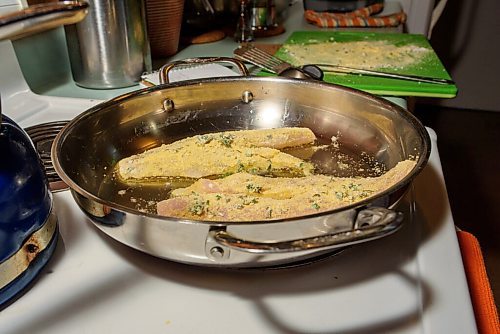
429 65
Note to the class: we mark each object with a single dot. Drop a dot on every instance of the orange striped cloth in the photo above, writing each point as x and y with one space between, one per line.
483 303
359 18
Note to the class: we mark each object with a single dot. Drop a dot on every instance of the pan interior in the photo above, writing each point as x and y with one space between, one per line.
359 135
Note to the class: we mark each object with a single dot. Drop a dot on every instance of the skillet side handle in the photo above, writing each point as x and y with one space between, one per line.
165 69
370 224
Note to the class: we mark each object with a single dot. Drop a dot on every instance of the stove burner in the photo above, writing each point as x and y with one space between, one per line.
43 136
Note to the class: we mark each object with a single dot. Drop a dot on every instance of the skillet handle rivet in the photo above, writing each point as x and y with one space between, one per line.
168 105
217 252
247 96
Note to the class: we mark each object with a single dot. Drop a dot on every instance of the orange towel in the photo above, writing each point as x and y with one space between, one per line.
359 18
479 287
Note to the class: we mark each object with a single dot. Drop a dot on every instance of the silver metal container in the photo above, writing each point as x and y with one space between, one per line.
109 48
262 14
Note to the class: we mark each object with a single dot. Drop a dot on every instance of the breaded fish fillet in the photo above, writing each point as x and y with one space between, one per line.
222 153
247 197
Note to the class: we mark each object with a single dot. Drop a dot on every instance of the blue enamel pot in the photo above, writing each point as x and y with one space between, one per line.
28 226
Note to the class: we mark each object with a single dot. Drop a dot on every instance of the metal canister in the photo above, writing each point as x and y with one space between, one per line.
263 14
109 48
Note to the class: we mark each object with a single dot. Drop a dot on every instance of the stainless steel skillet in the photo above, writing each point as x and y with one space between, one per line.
86 150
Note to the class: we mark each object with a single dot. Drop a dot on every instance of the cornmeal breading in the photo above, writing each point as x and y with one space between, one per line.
222 153
357 54
247 197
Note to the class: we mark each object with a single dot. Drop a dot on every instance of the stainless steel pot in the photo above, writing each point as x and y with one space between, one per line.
86 150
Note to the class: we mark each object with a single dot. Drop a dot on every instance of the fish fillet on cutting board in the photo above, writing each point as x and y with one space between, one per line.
345 47
221 153
248 197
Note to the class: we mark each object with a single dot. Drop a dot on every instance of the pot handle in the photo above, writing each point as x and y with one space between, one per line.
370 224
165 69
41 17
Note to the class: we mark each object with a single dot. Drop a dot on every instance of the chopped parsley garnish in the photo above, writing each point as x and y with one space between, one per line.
269 212
197 208
353 186
253 188
253 170
269 167
205 139
226 139
365 193
247 200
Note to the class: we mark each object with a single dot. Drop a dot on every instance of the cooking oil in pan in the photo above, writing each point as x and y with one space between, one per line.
141 196
338 160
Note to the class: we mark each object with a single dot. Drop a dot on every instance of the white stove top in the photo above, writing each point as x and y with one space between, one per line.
410 282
